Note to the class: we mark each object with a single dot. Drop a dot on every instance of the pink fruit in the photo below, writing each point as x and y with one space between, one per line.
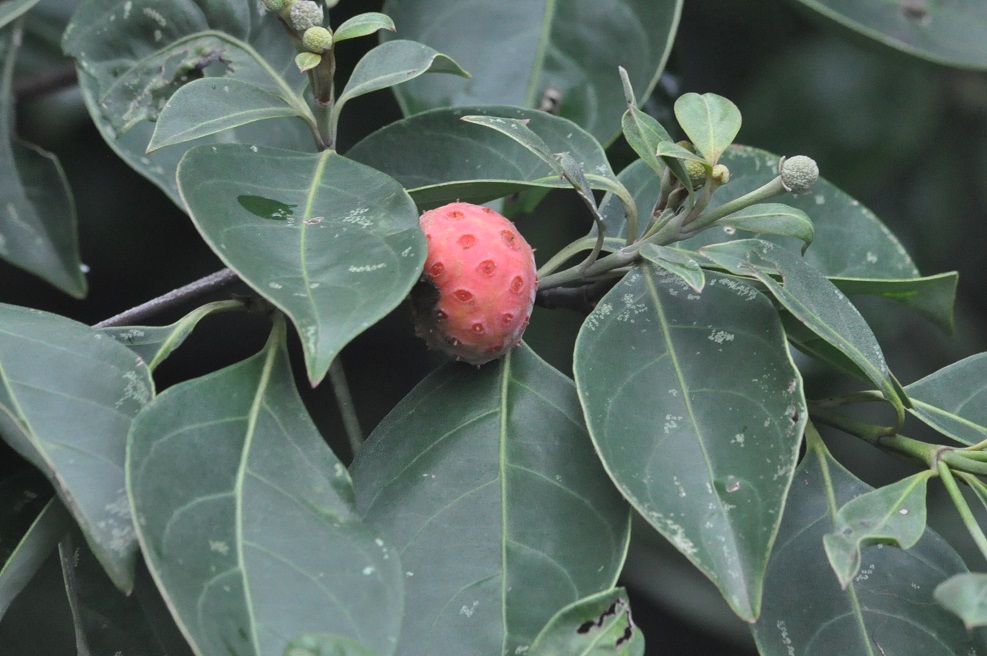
478 286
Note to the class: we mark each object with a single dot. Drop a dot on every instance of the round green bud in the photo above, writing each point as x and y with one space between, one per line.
799 173
275 5
687 145
696 171
317 39
721 174
305 14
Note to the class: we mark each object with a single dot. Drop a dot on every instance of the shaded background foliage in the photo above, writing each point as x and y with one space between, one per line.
905 137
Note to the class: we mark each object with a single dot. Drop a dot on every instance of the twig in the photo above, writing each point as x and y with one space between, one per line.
347 408
581 299
210 283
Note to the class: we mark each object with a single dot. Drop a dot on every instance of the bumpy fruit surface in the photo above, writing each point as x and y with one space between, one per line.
478 286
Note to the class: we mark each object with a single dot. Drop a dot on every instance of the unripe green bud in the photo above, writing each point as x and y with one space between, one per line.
799 173
275 5
305 14
317 39
696 171
687 145
721 174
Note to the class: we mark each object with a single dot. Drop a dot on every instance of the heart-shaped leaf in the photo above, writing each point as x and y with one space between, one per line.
132 55
893 514
523 53
949 32
246 518
333 243
953 400
37 222
806 612
450 476
440 158
599 625
49 362
697 411
710 121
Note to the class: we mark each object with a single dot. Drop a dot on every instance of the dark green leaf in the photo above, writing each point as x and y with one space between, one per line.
324 644
155 343
440 158
644 186
810 298
390 64
208 106
893 514
34 547
109 622
888 607
676 262
333 243
68 395
772 219
930 296
599 625
489 487
520 54
697 412
246 518
362 25
11 9
710 121
132 55
947 32
953 400
37 215
965 595
850 242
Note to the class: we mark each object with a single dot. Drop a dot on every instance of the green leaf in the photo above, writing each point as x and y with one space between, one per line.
389 64
68 395
440 158
34 547
362 25
850 242
132 55
306 61
109 622
324 644
949 33
155 343
772 219
893 514
211 105
336 245
710 121
246 518
930 296
810 298
649 139
965 595
676 262
38 231
644 186
887 607
487 484
599 625
697 412
519 53
953 400
11 9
